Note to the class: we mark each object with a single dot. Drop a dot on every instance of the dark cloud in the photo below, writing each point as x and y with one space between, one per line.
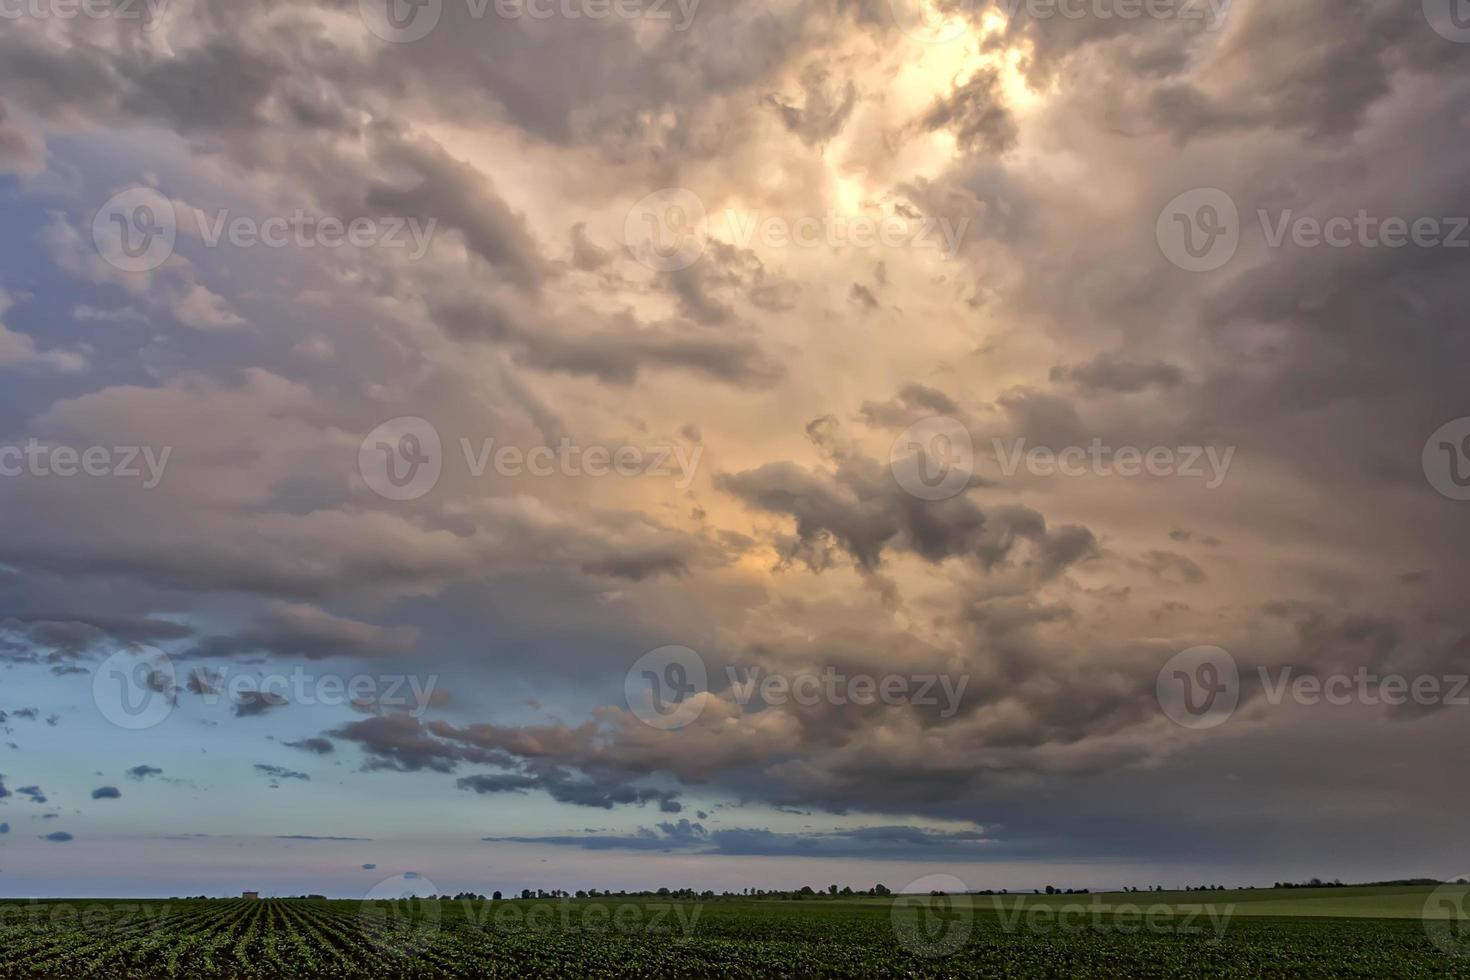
106 793
859 509
310 837
531 756
616 350
1172 566
824 108
428 182
880 842
316 746
306 632
71 636
402 743
280 772
251 703
976 115
1110 374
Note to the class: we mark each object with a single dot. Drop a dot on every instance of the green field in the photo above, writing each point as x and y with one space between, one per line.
1366 932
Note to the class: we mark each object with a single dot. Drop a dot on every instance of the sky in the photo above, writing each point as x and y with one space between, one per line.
726 444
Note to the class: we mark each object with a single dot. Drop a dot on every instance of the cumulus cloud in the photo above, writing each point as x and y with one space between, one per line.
531 318
316 746
278 773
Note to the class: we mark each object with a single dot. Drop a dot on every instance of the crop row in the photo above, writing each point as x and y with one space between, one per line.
289 938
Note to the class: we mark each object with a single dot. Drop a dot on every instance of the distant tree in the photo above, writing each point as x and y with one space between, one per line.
831 889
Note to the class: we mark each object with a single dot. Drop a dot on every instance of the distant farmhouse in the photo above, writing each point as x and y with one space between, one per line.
252 896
